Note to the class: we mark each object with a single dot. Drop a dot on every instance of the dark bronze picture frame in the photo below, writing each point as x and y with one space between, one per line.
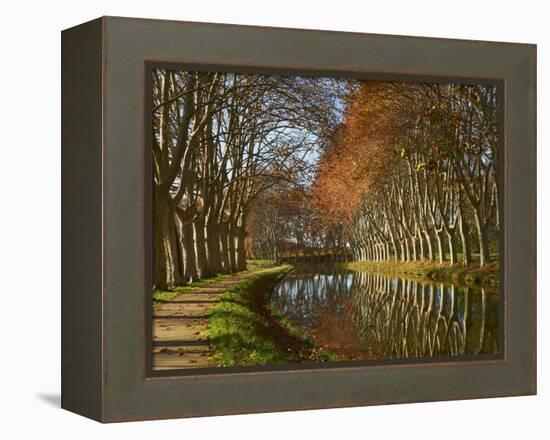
106 230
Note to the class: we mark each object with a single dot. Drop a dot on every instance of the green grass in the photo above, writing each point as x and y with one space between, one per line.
245 330
471 275
259 263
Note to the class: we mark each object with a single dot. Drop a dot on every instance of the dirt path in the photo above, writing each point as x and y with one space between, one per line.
178 324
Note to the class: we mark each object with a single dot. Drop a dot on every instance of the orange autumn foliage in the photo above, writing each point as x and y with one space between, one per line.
360 152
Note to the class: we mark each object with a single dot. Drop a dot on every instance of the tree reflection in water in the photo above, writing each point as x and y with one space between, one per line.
363 315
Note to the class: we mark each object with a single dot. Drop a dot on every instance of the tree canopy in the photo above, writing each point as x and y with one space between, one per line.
266 166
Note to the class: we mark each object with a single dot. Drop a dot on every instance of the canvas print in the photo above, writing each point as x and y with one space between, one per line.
305 220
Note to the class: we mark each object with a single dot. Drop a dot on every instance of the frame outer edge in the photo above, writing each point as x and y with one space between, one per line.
533 52
126 395
81 185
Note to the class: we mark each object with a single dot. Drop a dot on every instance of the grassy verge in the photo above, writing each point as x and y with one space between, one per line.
245 330
472 275
251 264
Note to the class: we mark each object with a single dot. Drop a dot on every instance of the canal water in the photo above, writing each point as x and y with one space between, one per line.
362 315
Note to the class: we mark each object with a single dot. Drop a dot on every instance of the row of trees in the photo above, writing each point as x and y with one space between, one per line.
411 174
220 140
272 165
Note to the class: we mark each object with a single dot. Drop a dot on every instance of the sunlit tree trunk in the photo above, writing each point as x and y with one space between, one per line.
483 238
440 246
429 243
452 247
421 242
200 247
466 250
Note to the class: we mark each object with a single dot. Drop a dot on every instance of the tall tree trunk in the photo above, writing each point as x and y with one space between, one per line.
179 263
200 247
224 237
213 246
190 257
233 248
431 256
483 238
163 242
394 247
440 246
452 246
422 251
241 251
466 250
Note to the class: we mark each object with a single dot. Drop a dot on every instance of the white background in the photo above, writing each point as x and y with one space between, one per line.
30 218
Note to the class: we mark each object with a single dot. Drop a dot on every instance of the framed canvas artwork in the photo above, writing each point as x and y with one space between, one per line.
262 219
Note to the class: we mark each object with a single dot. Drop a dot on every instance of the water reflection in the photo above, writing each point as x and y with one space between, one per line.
363 315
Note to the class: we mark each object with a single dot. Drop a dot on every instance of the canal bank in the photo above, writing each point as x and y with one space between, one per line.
244 329
471 275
